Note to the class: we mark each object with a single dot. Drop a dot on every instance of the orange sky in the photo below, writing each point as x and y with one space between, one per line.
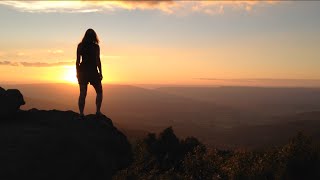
192 42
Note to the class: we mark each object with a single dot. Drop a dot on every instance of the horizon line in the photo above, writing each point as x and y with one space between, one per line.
169 85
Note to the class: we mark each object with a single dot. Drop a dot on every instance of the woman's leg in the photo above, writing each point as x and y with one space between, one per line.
98 88
82 97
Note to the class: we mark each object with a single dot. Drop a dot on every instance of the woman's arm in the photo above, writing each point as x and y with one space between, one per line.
99 62
78 58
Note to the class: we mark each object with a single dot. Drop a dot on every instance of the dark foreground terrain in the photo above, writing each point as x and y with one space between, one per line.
38 144
165 156
56 145
52 144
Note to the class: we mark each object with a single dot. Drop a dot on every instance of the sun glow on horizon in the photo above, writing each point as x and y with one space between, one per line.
70 74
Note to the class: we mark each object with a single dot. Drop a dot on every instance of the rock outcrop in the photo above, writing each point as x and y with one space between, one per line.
10 101
38 144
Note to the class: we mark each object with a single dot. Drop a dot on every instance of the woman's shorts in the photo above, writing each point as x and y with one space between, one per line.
88 77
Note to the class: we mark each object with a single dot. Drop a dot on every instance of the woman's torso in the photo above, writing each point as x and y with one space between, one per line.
89 54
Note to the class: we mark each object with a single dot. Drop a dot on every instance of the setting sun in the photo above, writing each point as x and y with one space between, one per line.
70 74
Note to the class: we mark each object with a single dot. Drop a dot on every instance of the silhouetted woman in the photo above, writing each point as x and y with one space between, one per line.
89 69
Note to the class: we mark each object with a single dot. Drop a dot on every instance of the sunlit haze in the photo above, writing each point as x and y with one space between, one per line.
164 42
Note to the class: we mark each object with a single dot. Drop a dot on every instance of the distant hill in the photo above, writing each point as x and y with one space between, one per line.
134 107
43 104
260 100
218 116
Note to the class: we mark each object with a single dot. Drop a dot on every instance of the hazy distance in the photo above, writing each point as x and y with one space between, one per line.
219 116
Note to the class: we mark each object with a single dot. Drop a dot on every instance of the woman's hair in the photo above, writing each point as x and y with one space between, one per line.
90 37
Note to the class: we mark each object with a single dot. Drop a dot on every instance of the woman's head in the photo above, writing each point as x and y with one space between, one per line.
90 37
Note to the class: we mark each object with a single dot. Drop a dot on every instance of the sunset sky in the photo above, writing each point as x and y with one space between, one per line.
167 42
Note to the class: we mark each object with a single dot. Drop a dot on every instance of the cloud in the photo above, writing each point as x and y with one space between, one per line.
264 82
279 80
168 7
84 6
21 54
56 51
35 64
3 63
103 56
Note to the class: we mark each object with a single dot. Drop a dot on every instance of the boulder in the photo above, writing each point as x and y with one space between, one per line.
10 101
